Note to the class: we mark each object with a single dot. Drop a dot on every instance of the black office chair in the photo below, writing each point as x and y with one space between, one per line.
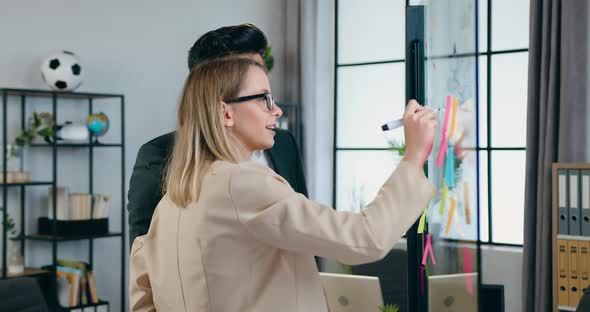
21 295
491 298
392 272
584 304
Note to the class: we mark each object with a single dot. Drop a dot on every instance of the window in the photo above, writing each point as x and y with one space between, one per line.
503 100
370 89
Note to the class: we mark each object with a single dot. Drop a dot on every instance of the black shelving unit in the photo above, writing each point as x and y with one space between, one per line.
48 273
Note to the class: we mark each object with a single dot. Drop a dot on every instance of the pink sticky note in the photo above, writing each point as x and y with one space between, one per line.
442 150
422 279
428 251
467 267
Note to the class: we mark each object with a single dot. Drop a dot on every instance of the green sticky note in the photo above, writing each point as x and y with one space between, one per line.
422 223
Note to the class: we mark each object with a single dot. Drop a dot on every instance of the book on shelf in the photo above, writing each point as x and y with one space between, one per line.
77 206
83 289
68 291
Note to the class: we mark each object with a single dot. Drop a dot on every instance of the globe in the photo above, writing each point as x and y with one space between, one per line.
98 124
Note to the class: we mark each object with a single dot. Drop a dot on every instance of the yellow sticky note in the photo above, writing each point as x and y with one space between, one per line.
422 223
443 198
450 217
453 118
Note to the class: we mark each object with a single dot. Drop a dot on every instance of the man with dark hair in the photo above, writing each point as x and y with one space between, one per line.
145 188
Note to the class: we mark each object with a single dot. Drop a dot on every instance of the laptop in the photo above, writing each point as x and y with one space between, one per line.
352 293
449 293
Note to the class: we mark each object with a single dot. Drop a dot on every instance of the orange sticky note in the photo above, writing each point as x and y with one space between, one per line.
466 203
450 217
443 198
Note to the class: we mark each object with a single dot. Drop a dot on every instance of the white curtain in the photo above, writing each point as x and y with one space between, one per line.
309 80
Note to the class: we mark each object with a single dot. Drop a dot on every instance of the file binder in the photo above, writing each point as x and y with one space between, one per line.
584 262
574 294
562 273
574 202
585 201
562 211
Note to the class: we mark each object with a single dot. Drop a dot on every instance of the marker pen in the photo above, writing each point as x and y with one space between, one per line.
394 124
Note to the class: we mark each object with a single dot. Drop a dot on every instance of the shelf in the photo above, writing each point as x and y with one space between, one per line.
78 145
49 238
563 308
82 306
59 94
32 183
573 237
28 272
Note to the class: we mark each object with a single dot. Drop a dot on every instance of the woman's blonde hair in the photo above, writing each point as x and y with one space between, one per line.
200 136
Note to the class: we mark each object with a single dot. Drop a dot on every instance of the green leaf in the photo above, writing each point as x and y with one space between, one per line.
36 120
20 140
389 308
269 60
47 132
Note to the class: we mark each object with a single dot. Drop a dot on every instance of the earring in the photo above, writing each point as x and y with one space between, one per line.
230 124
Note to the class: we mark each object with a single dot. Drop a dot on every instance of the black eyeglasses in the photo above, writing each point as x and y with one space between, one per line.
270 102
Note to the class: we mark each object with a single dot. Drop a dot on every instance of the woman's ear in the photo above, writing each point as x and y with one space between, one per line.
228 119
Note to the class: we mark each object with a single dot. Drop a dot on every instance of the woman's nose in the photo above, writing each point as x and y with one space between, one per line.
277 111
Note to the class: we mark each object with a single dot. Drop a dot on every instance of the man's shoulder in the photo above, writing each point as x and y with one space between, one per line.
284 140
164 142
156 148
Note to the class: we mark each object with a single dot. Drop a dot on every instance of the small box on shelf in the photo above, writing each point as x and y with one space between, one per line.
87 227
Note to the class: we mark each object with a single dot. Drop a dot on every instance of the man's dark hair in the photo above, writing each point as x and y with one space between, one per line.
238 39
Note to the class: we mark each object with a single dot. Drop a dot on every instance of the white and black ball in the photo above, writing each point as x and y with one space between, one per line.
62 71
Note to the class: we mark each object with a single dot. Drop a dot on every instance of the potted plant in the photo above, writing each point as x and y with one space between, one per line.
40 124
269 60
389 308
15 262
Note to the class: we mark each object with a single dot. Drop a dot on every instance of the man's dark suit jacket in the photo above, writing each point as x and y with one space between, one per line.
145 188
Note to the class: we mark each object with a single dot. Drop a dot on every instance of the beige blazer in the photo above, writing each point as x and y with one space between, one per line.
249 241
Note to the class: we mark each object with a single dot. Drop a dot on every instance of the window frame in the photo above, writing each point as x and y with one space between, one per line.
488 149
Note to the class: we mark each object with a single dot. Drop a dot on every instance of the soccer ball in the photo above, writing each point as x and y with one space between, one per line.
62 71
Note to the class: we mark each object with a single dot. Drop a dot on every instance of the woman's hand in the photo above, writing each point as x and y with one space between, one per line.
419 126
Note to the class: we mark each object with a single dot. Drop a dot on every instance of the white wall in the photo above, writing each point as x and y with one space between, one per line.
503 265
137 48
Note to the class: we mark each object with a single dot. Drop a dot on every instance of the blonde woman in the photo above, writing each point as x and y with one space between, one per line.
230 234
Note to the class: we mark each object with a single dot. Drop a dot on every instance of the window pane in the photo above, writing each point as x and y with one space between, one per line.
508 172
510 24
483 26
368 97
483 197
360 175
450 27
509 99
372 30
483 101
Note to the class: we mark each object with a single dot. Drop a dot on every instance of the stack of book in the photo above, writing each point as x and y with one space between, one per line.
77 206
75 283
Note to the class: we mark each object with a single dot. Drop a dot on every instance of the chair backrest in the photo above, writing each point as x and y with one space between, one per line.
22 295
392 272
